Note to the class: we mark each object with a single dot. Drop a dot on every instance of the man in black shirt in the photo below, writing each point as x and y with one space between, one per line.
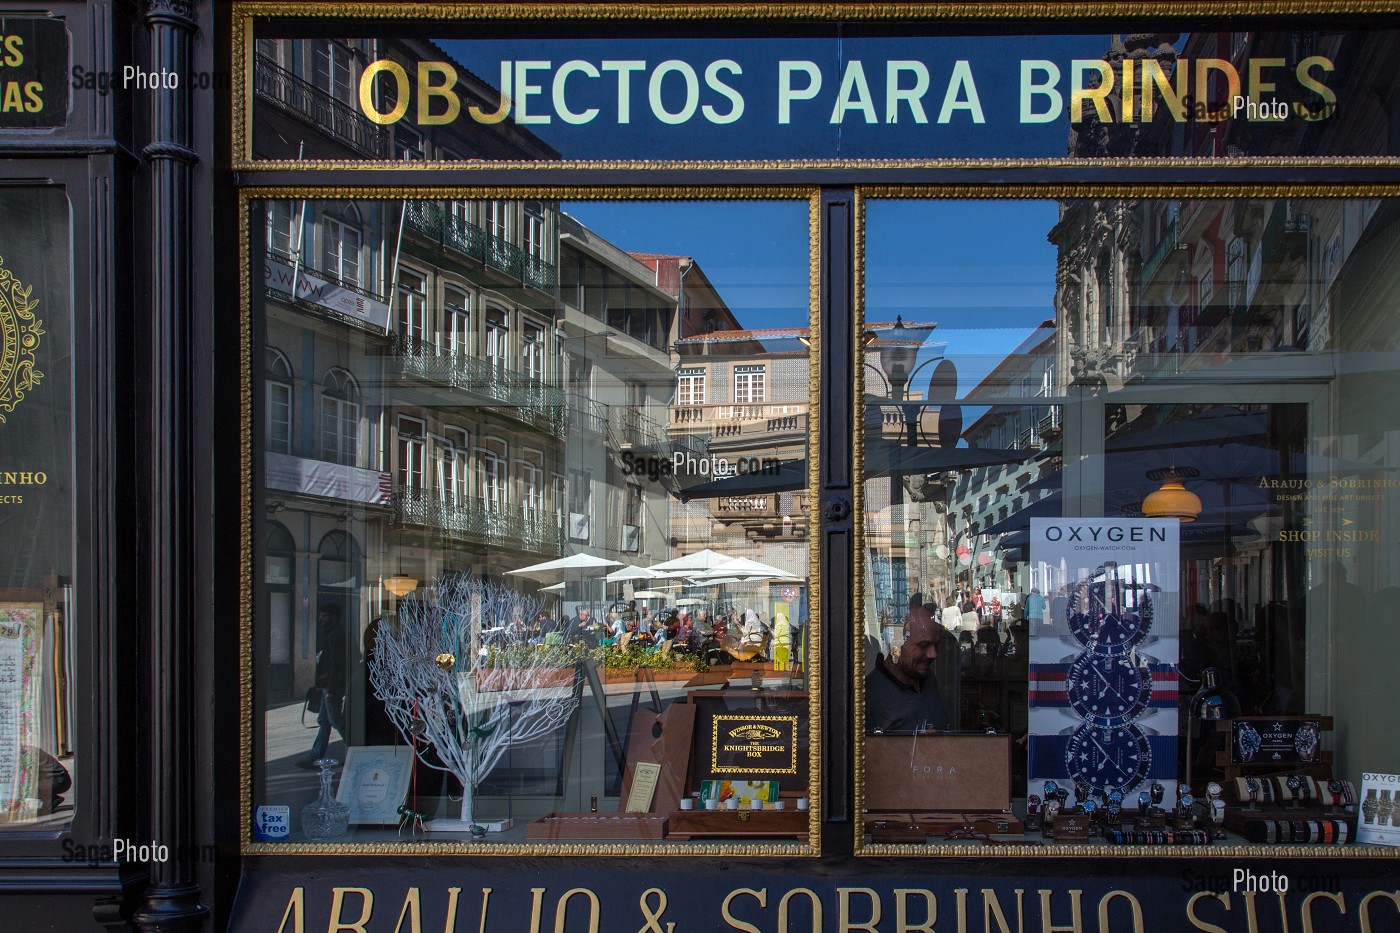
901 695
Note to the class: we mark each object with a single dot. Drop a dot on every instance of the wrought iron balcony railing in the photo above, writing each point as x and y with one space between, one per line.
431 220
472 519
332 117
534 402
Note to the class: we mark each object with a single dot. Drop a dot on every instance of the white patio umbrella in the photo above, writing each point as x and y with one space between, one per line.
744 567
631 572
556 588
690 564
552 570
648 594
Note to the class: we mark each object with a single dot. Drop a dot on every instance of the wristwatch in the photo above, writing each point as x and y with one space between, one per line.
1295 788
1159 793
1368 806
1252 786
1214 790
1144 800
1384 810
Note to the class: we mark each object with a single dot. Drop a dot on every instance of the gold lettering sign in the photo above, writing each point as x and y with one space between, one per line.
746 744
20 331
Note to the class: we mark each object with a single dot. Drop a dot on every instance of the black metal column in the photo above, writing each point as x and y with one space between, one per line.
836 358
172 902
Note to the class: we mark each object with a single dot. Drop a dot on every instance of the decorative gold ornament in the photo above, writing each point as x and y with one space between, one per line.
20 331
446 661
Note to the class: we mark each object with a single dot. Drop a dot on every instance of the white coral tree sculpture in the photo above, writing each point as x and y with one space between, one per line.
425 672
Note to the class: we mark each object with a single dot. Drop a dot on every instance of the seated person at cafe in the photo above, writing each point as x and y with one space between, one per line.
901 692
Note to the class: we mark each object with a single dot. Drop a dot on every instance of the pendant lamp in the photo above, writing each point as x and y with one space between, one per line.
1173 499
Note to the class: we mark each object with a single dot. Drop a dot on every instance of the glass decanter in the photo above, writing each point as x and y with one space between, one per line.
325 817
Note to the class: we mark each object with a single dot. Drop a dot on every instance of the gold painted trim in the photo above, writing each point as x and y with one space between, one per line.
550 193
246 163
1162 191
814 524
858 582
812 661
1039 192
931 10
1086 850
245 528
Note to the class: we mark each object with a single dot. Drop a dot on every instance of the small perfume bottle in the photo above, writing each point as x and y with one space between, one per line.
325 817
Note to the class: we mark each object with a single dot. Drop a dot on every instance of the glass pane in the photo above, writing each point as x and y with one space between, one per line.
38 692
553 598
1126 486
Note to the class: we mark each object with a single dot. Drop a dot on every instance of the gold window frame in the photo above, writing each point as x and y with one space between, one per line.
812 661
1045 192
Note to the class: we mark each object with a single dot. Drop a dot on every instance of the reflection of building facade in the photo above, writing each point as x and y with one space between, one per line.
1245 308
985 504
742 399
449 386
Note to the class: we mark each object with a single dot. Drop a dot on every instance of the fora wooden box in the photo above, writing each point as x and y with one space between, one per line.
959 773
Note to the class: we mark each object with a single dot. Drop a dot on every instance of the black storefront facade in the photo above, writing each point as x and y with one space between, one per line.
360 348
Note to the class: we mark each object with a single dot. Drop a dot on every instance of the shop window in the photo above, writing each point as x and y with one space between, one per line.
498 215
412 445
491 480
497 339
453 479
532 352
333 71
278 386
465 465
284 229
280 582
340 246
458 322
531 486
1195 582
413 308
690 387
534 230
749 385
340 418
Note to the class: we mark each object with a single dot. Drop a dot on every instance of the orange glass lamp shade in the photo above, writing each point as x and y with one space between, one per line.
400 585
1173 499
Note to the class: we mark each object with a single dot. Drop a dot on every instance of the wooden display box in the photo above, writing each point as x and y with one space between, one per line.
964 774
738 824
921 787
559 827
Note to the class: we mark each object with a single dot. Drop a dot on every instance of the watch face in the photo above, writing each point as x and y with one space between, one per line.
1112 756
1108 689
1214 789
1100 619
1186 800
1250 741
1115 797
1305 742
